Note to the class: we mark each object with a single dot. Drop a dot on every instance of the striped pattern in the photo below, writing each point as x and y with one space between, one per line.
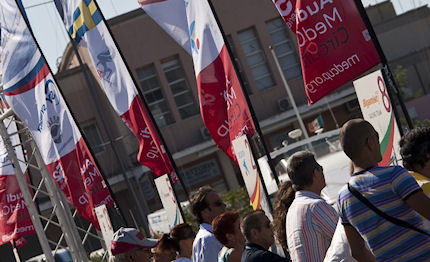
311 223
38 74
385 187
85 18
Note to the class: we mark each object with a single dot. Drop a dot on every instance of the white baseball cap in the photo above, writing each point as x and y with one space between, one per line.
126 239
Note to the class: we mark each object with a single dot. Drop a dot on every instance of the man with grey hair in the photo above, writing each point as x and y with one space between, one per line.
310 221
258 232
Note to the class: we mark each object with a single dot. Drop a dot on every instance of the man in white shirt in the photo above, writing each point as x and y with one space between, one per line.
206 205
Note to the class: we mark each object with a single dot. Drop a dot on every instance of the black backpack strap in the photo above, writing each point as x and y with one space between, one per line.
393 220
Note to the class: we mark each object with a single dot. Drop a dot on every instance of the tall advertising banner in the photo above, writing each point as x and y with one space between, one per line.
32 93
84 23
222 102
334 43
15 221
376 107
169 201
249 170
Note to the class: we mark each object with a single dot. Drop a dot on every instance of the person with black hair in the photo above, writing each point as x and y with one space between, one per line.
206 205
415 152
258 232
304 222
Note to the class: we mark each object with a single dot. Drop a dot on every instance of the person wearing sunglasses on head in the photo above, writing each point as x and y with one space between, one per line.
304 221
206 205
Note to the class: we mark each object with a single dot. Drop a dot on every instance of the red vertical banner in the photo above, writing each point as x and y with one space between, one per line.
15 221
223 105
335 45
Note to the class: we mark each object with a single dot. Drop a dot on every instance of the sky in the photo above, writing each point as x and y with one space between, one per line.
51 35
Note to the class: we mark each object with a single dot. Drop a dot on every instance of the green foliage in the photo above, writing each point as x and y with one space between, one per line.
237 200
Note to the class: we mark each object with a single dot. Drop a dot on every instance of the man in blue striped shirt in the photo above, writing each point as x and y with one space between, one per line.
392 190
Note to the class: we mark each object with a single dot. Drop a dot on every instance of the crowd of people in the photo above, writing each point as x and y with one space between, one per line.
381 214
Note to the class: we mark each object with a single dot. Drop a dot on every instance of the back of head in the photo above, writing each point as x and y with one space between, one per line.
167 244
251 220
181 232
284 199
224 224
353 137
198 202
300 169
415 147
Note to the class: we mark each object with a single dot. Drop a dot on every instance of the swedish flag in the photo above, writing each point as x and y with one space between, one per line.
85 18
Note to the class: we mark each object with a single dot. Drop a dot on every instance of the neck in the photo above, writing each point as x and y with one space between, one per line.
363 165
313 189
186 253
263 245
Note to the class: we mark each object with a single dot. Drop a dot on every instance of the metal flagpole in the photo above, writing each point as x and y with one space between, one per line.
290 94
112 143
43 240
248 101
388 76
172 162
15 251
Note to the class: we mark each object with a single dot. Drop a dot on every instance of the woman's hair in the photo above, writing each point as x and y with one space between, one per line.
415 147
284 199
181 232
224 224
167 243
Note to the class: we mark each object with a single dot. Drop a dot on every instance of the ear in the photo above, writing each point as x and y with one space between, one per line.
230 237
205 214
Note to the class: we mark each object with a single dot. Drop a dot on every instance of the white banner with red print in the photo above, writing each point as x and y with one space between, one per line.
32 93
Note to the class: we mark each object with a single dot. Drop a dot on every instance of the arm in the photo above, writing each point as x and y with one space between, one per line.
357 246
420 203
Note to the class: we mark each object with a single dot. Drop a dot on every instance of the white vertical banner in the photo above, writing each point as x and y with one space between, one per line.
105 225
249 169
168 200
376 108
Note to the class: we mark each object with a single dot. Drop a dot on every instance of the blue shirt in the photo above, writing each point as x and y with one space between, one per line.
205 245
386 188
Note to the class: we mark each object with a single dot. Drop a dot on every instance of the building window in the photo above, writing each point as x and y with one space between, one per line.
154 96
239 64
94 139
284 48
181 91
256 59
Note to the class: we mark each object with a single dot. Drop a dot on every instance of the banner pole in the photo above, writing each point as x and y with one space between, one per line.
172 162
43 240
113 145
15 251
387 71
248 101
